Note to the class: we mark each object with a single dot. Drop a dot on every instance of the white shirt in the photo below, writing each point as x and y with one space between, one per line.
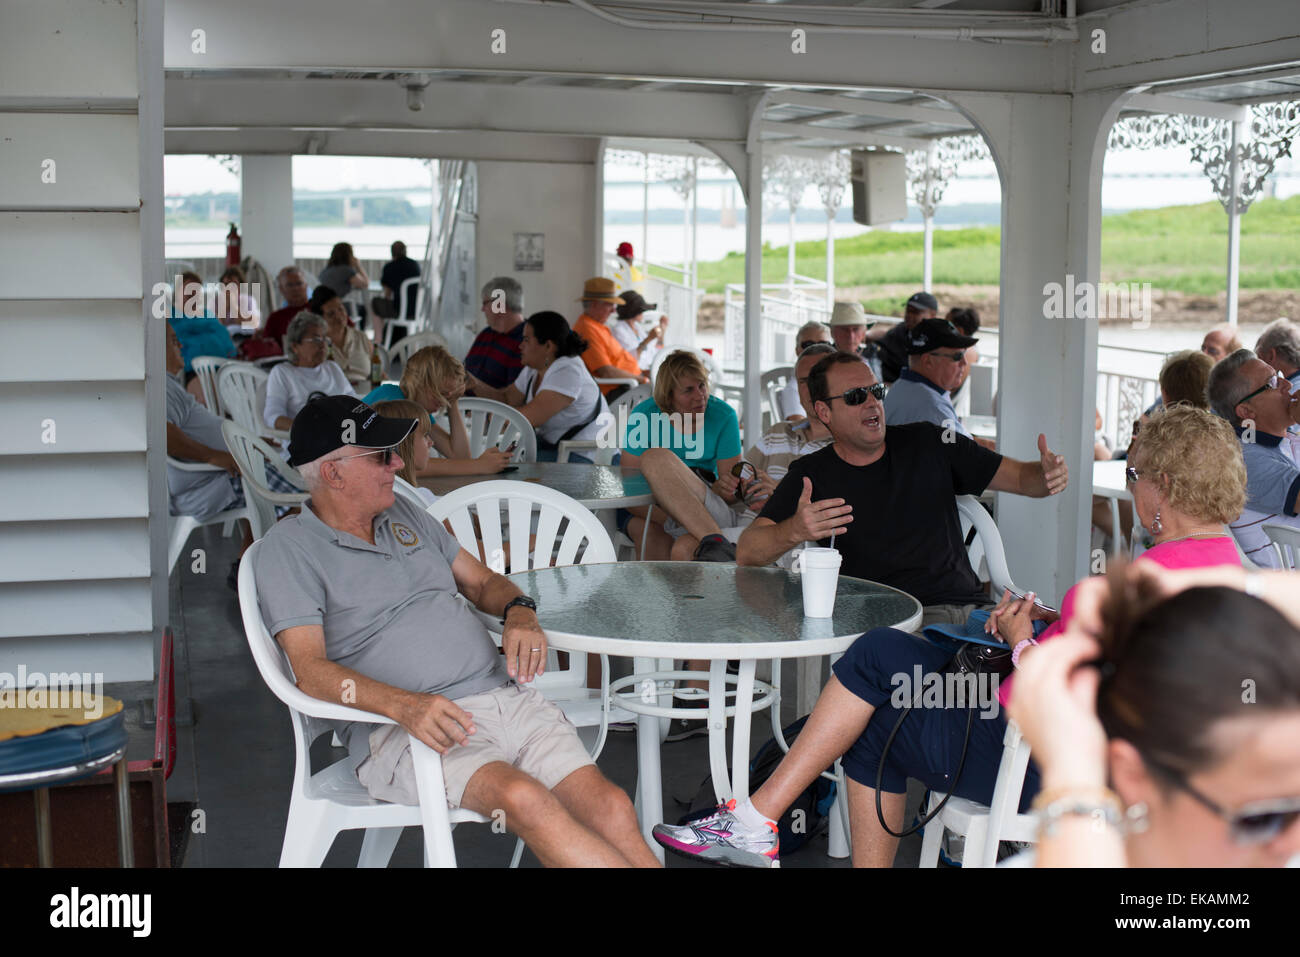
629 336
290 386
567 376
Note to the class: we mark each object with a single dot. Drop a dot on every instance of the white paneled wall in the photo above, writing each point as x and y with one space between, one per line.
83 506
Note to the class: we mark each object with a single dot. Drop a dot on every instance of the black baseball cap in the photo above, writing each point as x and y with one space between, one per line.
922 300
329 422
634 304
931 334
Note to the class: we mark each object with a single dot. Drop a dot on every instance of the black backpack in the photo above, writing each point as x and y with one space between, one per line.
811 809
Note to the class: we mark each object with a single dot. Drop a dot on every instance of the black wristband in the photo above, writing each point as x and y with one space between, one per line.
518 600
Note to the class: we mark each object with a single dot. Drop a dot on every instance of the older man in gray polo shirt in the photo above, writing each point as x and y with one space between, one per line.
936 359
364 593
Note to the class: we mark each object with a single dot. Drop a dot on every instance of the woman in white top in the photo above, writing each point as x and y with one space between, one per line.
292 383
555 392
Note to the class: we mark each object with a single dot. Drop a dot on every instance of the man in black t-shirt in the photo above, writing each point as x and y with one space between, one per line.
888 496
394 273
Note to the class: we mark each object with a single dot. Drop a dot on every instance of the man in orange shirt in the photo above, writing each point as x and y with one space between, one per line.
605 358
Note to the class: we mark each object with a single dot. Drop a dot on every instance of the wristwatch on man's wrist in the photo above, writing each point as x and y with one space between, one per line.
518 600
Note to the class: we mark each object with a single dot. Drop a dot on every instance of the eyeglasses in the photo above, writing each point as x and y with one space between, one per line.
859 395
1272 383
1131 475
1255 823
314 339
954 356
811 342
385 455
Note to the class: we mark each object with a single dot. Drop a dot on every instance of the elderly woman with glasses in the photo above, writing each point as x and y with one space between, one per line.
292 383
1189 481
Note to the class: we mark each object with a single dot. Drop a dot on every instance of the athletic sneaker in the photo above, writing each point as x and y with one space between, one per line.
715 548
683 728
722 838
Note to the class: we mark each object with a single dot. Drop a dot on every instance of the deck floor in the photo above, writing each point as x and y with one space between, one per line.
235 757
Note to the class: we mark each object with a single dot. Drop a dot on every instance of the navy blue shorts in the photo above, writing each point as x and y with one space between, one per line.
929 744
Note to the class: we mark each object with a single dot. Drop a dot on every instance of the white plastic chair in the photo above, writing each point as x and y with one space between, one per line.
590 447
986 552
771 383
404 489
1286 543
333 800
242 387
404 293
984 827
493 424
564 528
181 526
206 369
254 456
412 344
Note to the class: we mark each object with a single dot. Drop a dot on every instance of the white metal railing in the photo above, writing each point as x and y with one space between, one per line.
783 308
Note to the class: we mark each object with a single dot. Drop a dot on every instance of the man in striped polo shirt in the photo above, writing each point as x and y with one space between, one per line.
493 359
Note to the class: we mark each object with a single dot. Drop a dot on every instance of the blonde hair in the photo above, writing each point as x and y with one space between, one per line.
1199 458
406 409
427 371
678 366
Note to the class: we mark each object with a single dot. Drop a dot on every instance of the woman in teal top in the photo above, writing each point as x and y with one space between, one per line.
700 429
200 333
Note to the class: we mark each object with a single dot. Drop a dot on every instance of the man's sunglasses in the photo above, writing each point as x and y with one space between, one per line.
1267 386
385 455
812 342
859 395
1255 823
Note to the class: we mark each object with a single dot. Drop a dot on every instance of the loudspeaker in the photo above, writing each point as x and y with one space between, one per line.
879 186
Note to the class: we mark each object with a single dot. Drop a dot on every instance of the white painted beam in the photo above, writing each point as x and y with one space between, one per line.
369 104
807 131
870 108
469 144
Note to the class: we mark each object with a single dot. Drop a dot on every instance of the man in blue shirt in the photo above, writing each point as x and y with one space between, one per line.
936 360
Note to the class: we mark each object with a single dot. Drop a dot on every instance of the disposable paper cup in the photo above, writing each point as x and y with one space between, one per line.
820 570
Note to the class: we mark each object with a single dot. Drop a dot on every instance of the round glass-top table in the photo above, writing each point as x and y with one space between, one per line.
649 611
595 486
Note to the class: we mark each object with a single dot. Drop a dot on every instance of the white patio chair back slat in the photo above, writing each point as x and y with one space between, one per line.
493 424
410 345
1285 540
207 368
241 387
333 800
254 456
771 383
986 551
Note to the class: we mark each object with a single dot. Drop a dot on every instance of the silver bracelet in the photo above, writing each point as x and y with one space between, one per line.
1103 813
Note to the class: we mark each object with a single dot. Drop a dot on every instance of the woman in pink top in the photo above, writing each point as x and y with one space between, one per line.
1188 481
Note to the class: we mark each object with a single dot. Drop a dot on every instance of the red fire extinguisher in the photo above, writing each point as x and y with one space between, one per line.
232 246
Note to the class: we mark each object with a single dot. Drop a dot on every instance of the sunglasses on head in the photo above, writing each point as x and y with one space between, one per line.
859 395
385 455
1255 823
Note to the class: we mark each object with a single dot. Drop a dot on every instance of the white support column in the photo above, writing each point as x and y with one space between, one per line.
266 209
598 212
645 209
1049 152
753 417
695 224
927 263
1234 219
830 262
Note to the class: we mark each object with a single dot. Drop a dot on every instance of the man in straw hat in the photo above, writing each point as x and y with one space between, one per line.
605 358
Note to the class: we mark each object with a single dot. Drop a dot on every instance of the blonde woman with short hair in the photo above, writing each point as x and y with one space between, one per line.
434 380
